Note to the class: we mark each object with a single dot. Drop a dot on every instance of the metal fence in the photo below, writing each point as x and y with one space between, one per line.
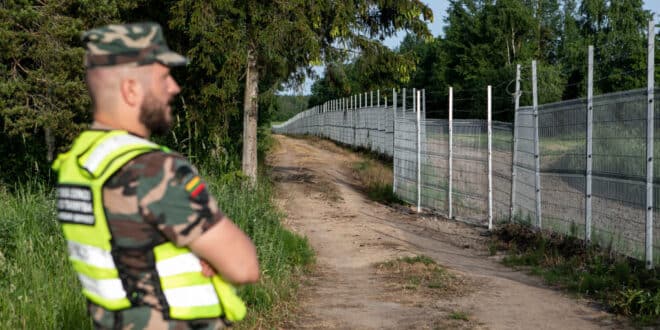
581 167
422 158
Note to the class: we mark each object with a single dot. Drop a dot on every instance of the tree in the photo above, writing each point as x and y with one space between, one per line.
572 52
268 42
43 99
623 54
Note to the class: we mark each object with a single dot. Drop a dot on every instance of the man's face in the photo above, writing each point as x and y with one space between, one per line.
155 111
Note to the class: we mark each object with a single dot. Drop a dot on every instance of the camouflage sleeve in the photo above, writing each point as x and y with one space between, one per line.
174 198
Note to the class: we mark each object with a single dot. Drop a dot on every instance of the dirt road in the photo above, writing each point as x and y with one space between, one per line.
350 234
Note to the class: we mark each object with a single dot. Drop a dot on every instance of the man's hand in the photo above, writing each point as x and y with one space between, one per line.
207 270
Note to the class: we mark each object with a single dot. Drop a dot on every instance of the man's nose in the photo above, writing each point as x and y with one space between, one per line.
174 87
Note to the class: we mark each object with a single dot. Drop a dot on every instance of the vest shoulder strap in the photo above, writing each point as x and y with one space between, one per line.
102 155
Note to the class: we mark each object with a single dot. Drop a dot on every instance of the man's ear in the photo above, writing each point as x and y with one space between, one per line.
131 91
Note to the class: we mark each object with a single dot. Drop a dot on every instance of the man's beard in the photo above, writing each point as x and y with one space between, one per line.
153 115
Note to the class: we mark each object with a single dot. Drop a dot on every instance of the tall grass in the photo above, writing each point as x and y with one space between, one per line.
39 290
282 254
376 178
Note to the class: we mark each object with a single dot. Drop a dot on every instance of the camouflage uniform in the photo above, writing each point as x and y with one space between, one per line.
156 197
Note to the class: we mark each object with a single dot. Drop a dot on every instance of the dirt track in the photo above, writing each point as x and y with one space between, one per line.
350 234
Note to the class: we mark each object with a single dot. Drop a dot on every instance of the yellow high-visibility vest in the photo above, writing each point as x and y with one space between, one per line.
82 171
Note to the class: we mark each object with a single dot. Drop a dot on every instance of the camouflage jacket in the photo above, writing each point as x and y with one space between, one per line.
156 197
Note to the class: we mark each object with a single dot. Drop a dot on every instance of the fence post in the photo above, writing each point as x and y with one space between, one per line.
419 151
514 156
414 100
403 102
590 129
649 145
451 152
371 97
537 160
354 124
424 103
378 98
490 157
394 142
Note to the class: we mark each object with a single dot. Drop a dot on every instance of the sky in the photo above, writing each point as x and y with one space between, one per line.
439 8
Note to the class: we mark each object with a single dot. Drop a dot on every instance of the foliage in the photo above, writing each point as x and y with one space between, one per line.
484 40
376 179
39 290
459 315
622 283
43 101
282 254
287 106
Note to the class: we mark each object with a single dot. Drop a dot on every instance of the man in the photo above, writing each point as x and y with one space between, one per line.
143 233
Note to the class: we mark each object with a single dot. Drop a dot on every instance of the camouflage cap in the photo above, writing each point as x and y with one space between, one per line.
139 43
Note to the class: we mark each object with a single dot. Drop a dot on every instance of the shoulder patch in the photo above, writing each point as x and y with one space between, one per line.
195 186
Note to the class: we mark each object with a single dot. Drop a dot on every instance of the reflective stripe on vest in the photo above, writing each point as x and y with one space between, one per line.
90 255
111 144
108 289
186 290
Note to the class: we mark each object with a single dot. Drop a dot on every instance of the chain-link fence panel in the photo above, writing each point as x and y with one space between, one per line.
562 146
502 146
525 186
435 165
470 165
405 157
619 171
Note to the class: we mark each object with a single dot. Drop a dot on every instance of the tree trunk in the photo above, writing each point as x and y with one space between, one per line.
250 111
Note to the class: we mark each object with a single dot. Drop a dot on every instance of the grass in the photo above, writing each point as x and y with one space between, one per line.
459 315
413 273
282 254
376 178
622 284
39 290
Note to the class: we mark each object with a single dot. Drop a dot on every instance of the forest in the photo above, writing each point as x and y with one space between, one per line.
482 43
44 103
242 54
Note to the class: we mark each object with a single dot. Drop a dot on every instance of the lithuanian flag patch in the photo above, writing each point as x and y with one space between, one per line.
195 186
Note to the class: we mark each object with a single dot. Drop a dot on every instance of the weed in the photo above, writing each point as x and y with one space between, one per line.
421 258
377 180
621 283
420 272
492 249
458 315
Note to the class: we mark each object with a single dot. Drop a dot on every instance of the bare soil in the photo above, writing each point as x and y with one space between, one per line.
357 282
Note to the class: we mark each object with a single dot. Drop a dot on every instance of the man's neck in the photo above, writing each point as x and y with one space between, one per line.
100 125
